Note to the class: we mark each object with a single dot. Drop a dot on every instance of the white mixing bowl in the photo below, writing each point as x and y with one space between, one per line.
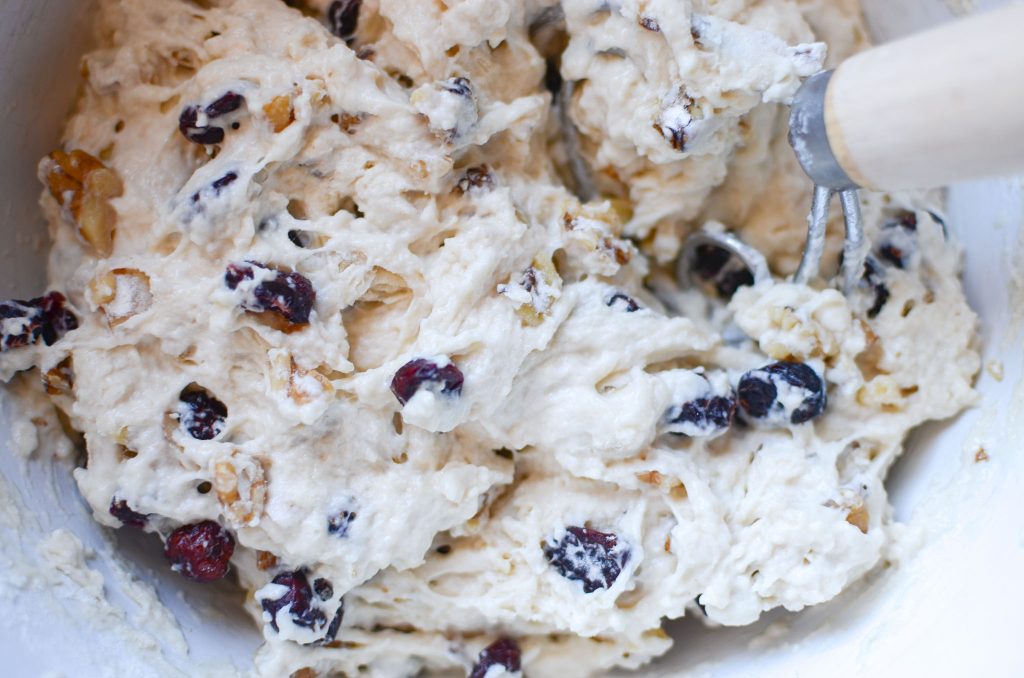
947 604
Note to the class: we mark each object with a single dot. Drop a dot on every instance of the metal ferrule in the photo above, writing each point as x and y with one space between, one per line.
809 137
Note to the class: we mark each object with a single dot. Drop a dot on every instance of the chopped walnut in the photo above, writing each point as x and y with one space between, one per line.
84 186
535 292
265 560
348 121
302 386
858 517
591 240
882 393
121 294
241 488
280 112
650 477
60 379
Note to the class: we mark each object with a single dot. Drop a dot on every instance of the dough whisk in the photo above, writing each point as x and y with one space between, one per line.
941 106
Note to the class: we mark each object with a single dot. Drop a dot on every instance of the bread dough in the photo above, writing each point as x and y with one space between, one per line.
519 477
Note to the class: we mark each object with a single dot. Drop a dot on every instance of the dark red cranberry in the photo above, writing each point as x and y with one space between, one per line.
343 17
216 187
228 103
120 510
702 417
26 322
189 127
476 178
874 279
898 240
290 295
188 121
502 652
592 557
759 389
201 414
420 373
623 301
303 610
338 523
200 552
323 588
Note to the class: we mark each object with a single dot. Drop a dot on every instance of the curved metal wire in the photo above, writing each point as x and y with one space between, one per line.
855 246
749 256
817 224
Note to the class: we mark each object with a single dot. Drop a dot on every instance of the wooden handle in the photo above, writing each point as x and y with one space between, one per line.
942 106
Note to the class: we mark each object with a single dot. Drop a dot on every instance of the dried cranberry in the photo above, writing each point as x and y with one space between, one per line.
476 178
343 17
415 374
298 599
201 414
290 295
26 322
592 557
229 102
874 279
898 240
650 23
201 551
216 187
702 417
502 652
338 523
323 588
189 127
120 510
188 121
623 301
758 392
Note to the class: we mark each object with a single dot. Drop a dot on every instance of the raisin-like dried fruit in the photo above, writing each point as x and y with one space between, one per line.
225 104
702 417
592 557
343 17
502 652
119 509
301 608
201 414
188 125
201 551
423 373
874 279
479 178
26 322
338 523
188 121
290 295
898 240
623 301
782 392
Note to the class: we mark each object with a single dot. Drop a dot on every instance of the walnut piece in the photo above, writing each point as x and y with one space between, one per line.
84 186
280 112
121 294
241 488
